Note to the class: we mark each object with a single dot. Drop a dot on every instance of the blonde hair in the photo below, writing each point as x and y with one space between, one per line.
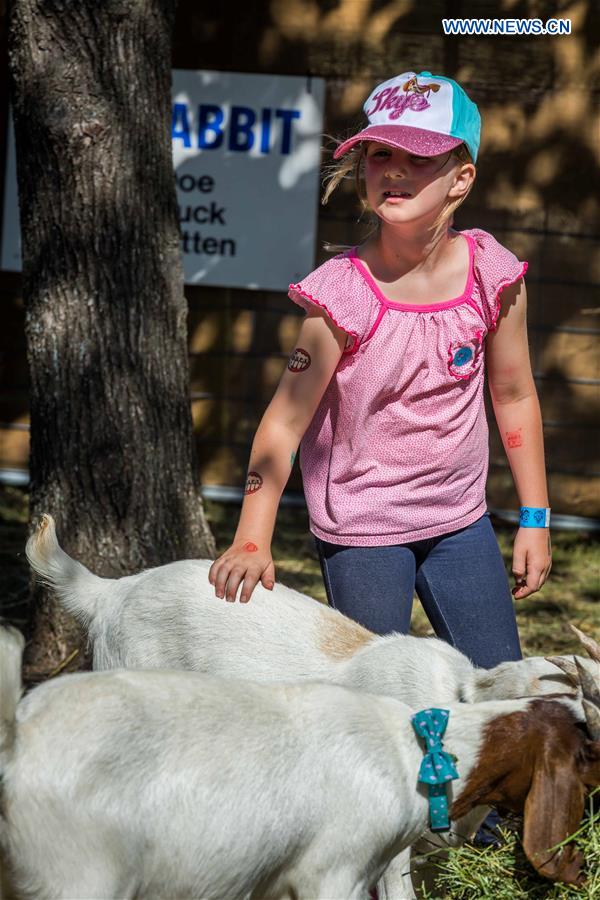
351 165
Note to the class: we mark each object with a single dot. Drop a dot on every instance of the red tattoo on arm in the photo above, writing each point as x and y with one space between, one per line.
250 547
299 361
254 482
514 439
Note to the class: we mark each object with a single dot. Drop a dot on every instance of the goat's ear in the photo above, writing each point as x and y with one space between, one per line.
553 811
589 766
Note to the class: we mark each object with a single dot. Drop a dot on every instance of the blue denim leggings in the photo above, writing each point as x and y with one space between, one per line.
459 578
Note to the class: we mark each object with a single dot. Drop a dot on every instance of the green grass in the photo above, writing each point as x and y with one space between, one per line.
505 873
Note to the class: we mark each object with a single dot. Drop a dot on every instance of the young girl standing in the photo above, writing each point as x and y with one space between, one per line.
384 391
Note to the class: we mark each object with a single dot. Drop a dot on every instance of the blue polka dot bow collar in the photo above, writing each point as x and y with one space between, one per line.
437 766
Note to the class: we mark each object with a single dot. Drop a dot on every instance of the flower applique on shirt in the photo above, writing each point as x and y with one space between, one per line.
463 356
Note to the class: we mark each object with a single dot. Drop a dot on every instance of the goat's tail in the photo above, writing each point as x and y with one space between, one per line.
11 651
78 590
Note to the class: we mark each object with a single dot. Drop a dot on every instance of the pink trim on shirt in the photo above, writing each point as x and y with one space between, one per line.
417 307
380 316
471 302
498 301
356 342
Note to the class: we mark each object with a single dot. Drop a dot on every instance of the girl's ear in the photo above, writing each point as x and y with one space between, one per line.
464 177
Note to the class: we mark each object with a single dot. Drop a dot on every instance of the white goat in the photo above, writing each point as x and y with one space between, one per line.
166 784
169 617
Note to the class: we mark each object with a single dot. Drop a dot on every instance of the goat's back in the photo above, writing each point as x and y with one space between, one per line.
416 670
169 617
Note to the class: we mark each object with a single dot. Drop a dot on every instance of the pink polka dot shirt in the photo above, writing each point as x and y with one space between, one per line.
397 450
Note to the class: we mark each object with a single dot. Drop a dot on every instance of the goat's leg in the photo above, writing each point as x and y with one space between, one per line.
396 882
334 885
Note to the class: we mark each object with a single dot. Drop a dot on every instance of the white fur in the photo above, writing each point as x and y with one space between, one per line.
166 784
169 617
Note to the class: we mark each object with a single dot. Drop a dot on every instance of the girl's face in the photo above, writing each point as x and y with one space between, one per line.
403 188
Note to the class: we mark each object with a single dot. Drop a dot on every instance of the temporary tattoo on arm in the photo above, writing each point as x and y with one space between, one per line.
292 458
514 439
254 482
299 361
250 547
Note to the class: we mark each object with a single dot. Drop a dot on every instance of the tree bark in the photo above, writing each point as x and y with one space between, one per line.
111 431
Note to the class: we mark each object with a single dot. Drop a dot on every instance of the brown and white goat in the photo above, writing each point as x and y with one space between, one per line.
162 784
168 617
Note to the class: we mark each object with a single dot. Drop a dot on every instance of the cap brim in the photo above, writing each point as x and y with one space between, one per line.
404 137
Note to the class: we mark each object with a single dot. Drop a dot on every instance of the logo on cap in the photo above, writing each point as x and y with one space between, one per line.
414 97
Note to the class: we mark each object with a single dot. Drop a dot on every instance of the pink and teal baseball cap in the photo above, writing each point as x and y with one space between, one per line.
424 114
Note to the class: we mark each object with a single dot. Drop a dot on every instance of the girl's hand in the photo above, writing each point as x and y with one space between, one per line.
532 560
245 564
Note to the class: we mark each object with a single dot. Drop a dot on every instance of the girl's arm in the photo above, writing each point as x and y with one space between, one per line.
276 442
517 412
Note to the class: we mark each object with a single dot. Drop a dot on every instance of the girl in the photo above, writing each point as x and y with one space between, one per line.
385 392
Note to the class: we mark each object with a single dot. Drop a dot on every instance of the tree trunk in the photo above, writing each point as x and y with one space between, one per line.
111 431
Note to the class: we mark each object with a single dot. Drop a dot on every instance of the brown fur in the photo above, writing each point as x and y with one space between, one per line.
339 637
540 763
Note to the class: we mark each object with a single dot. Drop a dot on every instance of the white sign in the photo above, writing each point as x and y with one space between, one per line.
246 152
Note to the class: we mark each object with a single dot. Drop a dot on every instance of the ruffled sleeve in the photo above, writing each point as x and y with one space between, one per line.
336 290
495 268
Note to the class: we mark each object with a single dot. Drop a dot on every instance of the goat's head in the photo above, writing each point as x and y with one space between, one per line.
541 762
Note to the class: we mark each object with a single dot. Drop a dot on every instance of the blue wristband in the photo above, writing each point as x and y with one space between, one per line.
534 517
